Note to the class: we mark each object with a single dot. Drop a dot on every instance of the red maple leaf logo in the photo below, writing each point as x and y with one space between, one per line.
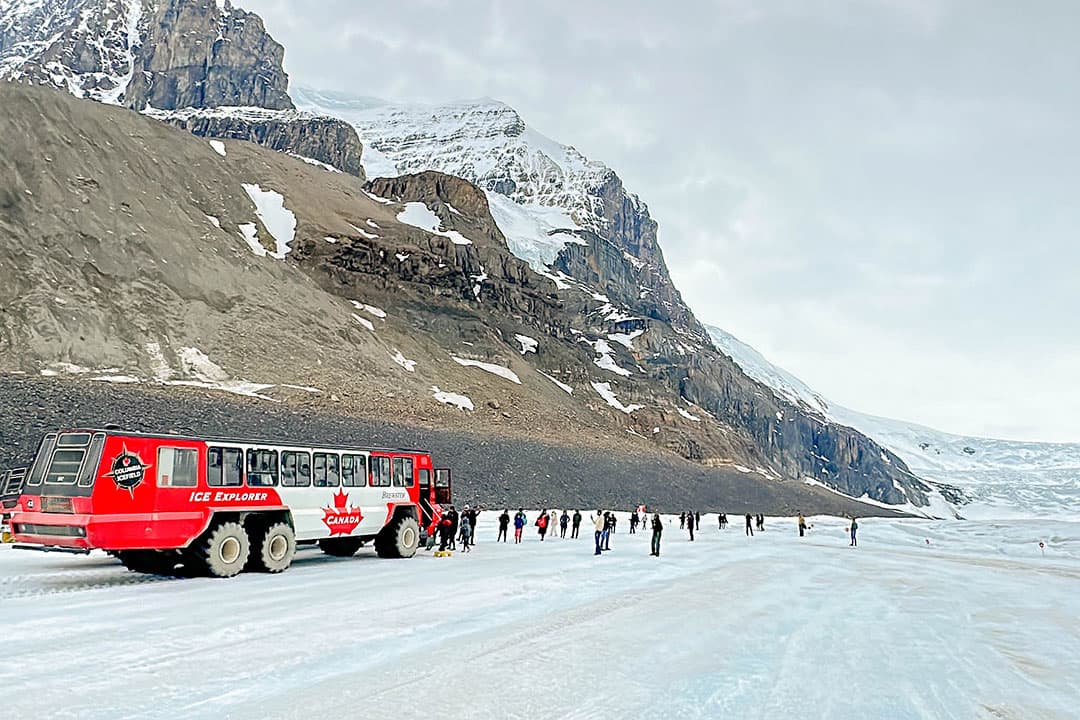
342 519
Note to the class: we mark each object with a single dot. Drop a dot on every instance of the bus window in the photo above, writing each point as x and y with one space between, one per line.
224 467
353 470
442 486
37 472
326 470
380 472
295 469
403 472
176 467
425 479
262 468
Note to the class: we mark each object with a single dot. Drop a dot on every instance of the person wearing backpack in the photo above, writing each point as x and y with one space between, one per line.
519 525
466 532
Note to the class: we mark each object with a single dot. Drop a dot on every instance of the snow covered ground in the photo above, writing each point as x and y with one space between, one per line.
975 624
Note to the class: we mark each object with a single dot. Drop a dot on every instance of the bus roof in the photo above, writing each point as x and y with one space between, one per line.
120 432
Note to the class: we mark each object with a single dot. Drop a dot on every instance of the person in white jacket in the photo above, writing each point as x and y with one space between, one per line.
599 522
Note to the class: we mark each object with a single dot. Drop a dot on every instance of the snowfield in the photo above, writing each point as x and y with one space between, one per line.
975 624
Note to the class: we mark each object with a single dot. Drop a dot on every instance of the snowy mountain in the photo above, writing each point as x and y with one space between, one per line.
551 202
980 477
503 248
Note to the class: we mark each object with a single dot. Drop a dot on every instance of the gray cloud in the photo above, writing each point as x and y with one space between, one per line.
883 196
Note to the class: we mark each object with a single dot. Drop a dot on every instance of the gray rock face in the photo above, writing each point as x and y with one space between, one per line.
172 55
322 139
202 53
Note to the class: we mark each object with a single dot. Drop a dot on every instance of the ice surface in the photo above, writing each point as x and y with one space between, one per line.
975 624
499 370
278 220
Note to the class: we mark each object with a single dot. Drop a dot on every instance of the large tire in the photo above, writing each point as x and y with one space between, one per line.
341 547
273 551
225 551
150 562
399 539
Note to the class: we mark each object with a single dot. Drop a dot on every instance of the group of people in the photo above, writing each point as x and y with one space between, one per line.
454 527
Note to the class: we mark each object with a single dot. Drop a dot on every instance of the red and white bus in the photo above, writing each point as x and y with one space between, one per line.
218 506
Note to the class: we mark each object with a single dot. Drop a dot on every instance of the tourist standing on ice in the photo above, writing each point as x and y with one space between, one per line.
760 522
682 521
697 521
446 533
466 514
690 524
452 514
605 537
854 529
541 525
575 524
657 531
599 523
802 524
553 522
749 525
564 521
504 525
466 532
519 525
633 522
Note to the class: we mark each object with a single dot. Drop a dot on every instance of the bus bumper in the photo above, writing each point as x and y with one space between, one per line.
156 531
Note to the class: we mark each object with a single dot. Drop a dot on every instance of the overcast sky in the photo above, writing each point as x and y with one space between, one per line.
882 196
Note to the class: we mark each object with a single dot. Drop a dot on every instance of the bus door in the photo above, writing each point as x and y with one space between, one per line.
426 511
443 495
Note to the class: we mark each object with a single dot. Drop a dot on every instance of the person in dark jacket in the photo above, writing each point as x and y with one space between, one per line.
608 525
657 531
633 522
542 524
749 525
802 524
575 525
760 522
519 525
854 529
504 525
446 533
697 521
454 520
682 521
564 520
690 524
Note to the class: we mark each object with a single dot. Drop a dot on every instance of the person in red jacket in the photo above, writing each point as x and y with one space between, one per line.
542 524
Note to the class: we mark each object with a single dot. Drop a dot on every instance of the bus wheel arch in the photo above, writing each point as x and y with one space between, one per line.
401 536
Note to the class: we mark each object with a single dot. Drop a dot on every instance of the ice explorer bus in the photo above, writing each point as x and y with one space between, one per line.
219 506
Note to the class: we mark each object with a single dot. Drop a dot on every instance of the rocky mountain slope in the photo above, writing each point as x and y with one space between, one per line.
204 59
971 476
139 255
574 222
539 301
